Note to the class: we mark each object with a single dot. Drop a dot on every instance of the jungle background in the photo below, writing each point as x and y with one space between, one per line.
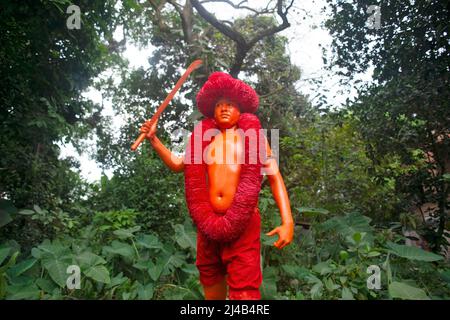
367 179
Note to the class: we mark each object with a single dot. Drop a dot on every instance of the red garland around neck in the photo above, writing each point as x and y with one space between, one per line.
231 225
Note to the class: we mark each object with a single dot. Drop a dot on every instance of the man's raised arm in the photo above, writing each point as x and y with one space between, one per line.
174 163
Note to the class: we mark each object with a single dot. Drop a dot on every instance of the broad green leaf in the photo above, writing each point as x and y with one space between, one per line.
311 212
21 280
38 209
127 233
316 290
55 258
88 259
412 253
117 280
4 252
347 294
290 270
143 264
50 249
322 268
296 271
176 293
56 294
145 292
149 241
170 262
26 212
373 254
57 268
404 291
36 253
11 262
120 248
348 225
98 273
20 292
126 295
155 271
184 239
193 284
21 267
190 269
330 285
46 285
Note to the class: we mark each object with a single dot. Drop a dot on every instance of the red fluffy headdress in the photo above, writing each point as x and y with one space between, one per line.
232 224
222 85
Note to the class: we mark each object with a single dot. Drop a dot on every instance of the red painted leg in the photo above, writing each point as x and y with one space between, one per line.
216 291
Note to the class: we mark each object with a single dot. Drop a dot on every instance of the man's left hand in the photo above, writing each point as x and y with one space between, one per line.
285 235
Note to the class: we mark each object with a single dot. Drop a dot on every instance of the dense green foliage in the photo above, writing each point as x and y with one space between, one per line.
45 66
405 112
355 176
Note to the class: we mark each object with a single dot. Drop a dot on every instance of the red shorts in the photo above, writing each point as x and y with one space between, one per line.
238 260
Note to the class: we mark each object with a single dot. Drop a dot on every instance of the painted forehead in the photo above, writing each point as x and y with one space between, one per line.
226 100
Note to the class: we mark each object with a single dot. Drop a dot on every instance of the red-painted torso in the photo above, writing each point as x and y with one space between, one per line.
224 168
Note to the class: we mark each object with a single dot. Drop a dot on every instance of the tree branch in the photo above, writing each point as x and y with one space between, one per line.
186 15
281 27
158 8
239 6
176 5
242 46
227 31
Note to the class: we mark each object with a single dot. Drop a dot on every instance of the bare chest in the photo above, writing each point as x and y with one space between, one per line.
226 148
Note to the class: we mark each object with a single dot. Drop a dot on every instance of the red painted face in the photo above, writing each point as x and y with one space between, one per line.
226 114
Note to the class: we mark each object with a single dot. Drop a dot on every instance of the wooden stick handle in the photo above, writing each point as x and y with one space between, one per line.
194 65
138 141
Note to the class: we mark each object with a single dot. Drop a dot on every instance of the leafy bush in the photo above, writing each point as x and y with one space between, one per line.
332 260
131 265
117 260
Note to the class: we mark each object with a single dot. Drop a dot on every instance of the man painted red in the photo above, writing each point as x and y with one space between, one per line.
223 174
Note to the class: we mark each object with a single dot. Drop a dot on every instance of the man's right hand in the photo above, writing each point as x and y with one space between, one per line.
172 161
150 131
